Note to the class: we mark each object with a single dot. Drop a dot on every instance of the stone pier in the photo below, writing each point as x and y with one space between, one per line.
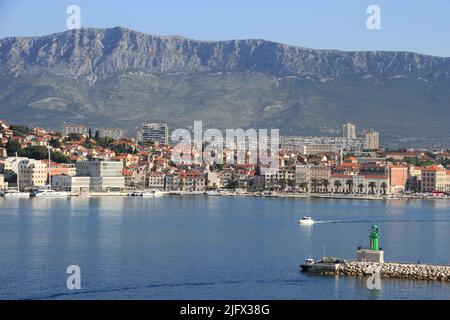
395 270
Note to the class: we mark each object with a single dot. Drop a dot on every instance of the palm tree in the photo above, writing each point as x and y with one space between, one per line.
360 187
372 185
337 185
282 184
314 184
349 184
303 186
384 187
325 183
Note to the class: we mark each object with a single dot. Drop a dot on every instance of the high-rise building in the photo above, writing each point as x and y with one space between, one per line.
154 132
349 131
372 140
80 129
115 133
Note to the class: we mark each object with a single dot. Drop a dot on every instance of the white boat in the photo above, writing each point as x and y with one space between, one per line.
213 193
49 193
158 193
149 194
16 194
306 221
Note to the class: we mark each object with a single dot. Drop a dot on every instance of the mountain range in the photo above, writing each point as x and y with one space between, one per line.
120 78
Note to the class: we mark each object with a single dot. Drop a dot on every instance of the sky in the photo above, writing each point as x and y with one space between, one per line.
414 25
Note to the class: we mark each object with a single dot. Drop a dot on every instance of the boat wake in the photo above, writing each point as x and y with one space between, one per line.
378 221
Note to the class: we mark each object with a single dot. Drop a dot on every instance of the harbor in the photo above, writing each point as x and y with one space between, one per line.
245 247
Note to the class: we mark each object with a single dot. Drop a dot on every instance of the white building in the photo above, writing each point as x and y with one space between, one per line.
156 180
71 184
115 133
104 176
80 129
154 132
349 131
32 174
11 163
3 184
372 138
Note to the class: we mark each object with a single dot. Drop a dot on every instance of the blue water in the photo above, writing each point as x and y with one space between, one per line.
210 247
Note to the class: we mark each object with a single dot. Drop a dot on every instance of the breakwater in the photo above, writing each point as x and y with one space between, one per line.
395 270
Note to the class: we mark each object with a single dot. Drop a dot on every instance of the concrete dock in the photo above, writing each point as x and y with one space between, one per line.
386 270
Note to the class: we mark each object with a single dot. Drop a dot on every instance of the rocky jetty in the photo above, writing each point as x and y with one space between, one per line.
395 270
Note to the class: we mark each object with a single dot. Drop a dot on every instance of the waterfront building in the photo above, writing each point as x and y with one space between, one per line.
58 169
96 168
192 181
104 176
414 182
434 178
398 178
312 177
362 184
156 180
349 130
71 184
213 180
154 132
172 182
32 173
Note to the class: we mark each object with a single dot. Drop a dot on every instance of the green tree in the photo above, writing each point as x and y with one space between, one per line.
384 187
372 186
233 184
10 176
20 131
55 143
337 185
105 142
303 186
283 184
349 184
74 137
12 147
88 145
326 183
36 152
58 157
360 187
314 184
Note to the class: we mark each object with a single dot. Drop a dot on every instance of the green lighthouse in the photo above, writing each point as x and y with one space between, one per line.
374 238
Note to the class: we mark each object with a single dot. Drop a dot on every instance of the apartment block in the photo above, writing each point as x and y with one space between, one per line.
32 173
154 132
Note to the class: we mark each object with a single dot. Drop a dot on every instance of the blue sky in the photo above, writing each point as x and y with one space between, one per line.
407 25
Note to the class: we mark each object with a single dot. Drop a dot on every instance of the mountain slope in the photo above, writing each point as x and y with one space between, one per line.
119 77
